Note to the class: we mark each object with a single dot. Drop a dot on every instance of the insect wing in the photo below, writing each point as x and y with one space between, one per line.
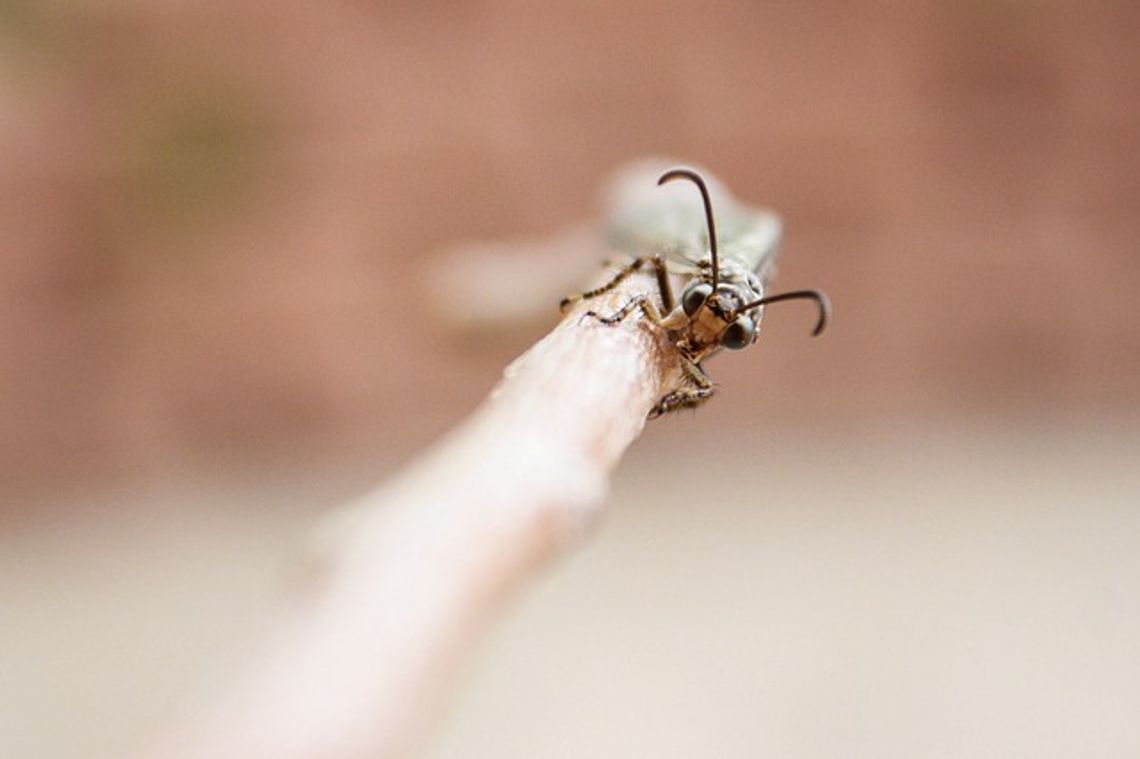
753 240
669 220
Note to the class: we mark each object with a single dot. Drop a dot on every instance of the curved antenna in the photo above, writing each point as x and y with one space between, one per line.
821 300
695 178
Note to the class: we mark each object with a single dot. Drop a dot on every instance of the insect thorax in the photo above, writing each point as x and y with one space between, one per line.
738 284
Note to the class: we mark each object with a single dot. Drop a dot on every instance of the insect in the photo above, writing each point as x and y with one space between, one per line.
724 292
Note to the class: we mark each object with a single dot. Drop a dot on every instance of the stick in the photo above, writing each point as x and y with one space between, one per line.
419 567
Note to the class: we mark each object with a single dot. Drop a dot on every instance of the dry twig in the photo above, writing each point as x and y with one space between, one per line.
419 568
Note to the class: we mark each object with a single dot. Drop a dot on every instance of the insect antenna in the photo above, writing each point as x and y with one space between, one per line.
820 299
695 178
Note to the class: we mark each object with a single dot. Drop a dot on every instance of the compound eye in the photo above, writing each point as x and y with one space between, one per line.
739 334
695 297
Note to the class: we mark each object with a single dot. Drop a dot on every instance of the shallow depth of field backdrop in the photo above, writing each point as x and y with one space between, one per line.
221 226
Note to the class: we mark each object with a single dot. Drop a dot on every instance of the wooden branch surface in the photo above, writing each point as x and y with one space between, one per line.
417 569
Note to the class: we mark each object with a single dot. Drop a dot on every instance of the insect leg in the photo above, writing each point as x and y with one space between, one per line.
662 282
638 301
699 391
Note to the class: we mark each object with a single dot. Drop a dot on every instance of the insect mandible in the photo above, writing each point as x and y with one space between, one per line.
723 295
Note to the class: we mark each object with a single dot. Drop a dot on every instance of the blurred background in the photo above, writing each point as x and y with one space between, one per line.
224 230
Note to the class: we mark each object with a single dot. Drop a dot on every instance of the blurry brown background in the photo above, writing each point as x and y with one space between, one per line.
216 216
219 220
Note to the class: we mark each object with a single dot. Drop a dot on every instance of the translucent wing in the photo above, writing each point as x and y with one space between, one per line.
645 218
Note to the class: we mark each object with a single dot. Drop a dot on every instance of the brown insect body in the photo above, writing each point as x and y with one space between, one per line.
721 304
